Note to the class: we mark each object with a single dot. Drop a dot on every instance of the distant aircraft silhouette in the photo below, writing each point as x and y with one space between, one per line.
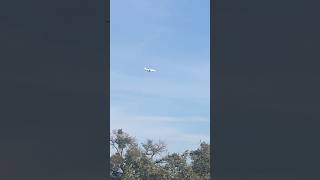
149 69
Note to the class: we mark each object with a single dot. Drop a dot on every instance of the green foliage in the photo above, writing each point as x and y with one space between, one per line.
132 162
201 160
176 166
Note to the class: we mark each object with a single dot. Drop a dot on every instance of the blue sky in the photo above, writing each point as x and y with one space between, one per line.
172 36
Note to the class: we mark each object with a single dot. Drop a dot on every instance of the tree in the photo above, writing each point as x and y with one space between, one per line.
120 141
176 165
147 162
201 160
152 149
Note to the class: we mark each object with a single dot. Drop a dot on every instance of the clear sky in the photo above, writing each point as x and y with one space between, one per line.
172 104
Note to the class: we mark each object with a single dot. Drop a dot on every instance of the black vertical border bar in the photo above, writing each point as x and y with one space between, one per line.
216 87
107 85
212 119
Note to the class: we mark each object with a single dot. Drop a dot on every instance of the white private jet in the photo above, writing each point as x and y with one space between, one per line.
149 70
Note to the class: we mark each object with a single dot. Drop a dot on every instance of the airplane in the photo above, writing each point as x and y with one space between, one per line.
149 70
